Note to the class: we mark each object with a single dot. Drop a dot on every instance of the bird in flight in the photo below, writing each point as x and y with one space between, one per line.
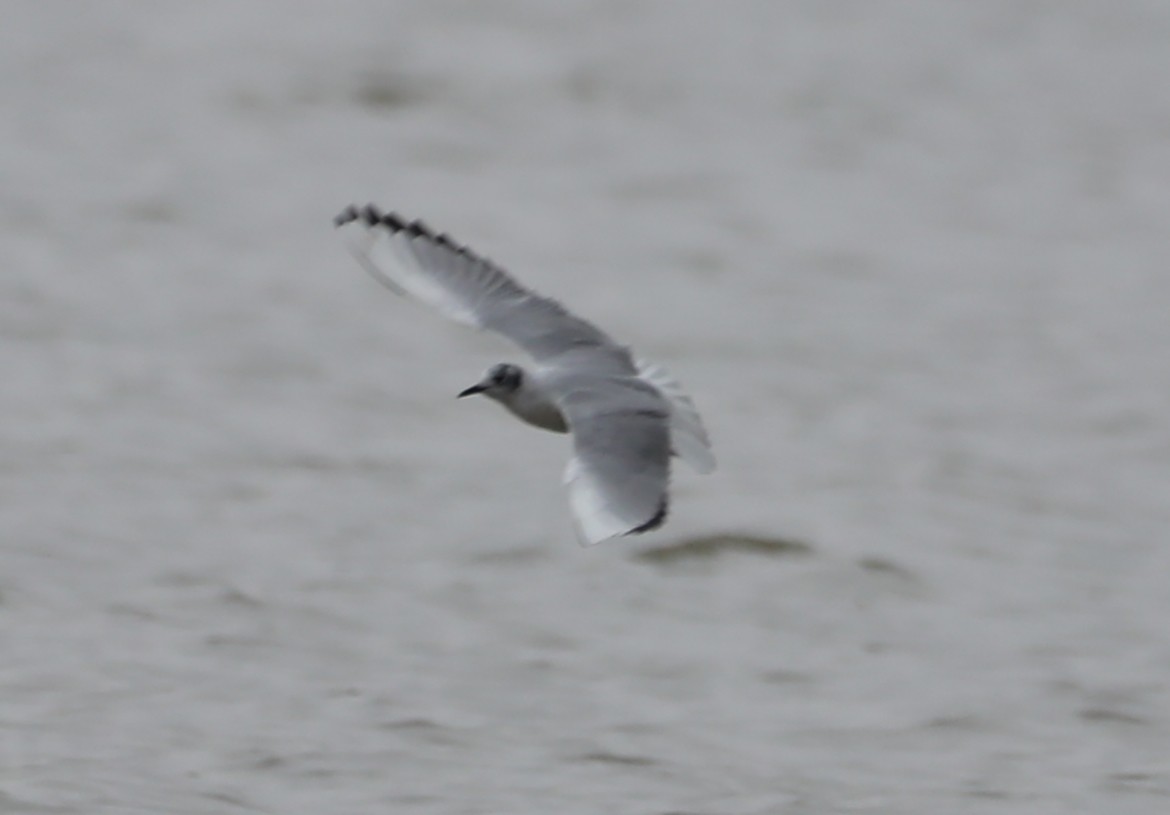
627 416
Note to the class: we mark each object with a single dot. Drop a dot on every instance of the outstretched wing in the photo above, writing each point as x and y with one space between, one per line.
619 476
411 259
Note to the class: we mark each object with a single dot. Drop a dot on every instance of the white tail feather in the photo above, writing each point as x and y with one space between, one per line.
688 437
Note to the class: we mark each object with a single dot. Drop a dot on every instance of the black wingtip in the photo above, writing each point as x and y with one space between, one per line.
656 521
371 216
347 215
418 228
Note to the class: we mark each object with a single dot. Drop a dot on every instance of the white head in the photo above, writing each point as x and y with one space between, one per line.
500 383
522 394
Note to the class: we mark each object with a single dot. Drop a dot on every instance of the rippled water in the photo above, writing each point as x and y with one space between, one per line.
909 257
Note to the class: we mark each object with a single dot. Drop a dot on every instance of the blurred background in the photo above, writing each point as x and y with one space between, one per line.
909 258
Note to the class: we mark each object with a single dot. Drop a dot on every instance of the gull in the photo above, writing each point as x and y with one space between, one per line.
627 416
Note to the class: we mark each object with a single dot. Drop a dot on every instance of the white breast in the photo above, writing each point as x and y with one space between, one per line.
529 404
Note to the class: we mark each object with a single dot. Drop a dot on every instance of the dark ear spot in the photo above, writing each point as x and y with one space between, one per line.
506 376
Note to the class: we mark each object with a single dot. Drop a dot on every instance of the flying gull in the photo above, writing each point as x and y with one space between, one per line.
627 416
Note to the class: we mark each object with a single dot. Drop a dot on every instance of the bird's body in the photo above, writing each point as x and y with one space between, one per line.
627 417
533 406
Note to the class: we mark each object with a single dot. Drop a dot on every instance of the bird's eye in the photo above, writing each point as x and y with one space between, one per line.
506 376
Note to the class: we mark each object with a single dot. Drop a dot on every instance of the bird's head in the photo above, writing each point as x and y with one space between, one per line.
500 382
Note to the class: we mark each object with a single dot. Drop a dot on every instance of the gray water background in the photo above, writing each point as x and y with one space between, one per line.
909 257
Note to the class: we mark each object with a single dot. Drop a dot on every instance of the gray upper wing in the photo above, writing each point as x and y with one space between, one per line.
411 259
